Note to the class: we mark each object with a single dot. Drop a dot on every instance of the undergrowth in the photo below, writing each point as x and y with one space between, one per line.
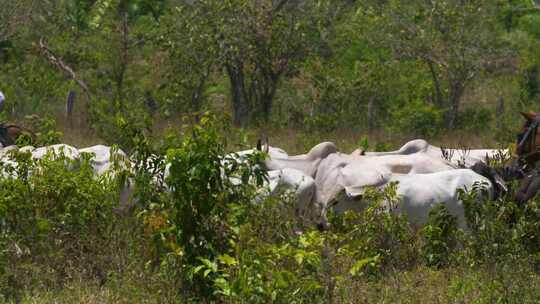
196 234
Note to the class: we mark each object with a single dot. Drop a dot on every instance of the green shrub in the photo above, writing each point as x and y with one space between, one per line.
192 223
500 229
417 117
375 238
52 218
440 236
270 261
44 131
476 119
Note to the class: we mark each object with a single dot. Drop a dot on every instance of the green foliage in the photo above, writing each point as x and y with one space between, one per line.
52 217
44 131
193 223
440 236
476 119
500 229
418 118
321 65
199 227
364 143
375 238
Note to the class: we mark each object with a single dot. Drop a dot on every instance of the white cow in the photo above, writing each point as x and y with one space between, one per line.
407 164
6 161
417 194
287 179
6 150
53 151
456 156
56 150
295 181
272 152
103 157
307 163
339 170
241 156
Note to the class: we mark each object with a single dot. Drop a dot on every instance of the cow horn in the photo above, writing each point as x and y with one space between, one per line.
266 145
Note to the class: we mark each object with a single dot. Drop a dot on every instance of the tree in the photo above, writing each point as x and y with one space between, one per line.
123 28
14 18
456 40
258 42
191 55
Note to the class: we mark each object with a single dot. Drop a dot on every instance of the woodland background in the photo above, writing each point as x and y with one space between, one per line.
417 68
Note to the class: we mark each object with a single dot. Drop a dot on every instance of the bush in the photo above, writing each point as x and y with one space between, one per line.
500 229
194 222
52 218
423 120
476 119
44 131
270 260
440 236
375 238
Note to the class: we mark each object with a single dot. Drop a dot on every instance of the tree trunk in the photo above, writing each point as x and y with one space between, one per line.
436 85
198 92
371 112
500 113
124 33
240 104
267 98
456 93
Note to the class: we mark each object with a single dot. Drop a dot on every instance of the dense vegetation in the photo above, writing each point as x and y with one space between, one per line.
66 239
122 71
408 66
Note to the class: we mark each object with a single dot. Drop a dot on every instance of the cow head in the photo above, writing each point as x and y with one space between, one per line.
528 139
347 199
359 152
493 176
263 146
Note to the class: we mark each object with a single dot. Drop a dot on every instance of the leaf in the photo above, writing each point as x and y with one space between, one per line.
198 268
228 260
359 265
209 264
299 257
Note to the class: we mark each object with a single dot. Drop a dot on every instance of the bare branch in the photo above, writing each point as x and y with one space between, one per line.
56 61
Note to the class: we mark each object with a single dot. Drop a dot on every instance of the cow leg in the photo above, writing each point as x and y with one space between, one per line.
528 189
533 189
519 197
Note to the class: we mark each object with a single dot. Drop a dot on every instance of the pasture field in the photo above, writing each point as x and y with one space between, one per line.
65 241
183 223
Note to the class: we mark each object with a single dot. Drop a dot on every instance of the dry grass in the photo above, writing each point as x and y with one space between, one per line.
77 133
132 287
426 285
420 285
347 140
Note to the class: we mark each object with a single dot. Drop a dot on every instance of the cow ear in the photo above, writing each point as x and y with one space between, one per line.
259 145
529 115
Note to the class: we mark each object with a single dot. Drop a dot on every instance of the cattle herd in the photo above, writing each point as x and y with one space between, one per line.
326 179
424 175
